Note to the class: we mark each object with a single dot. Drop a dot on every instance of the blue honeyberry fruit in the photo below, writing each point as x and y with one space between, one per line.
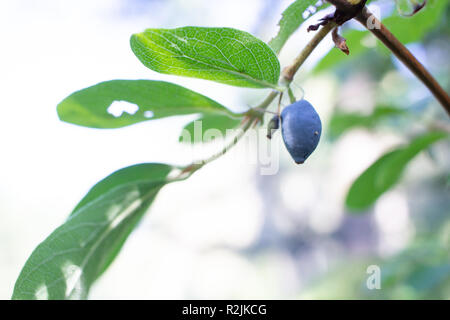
301 128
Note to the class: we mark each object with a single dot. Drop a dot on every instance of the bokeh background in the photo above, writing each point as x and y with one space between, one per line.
228 231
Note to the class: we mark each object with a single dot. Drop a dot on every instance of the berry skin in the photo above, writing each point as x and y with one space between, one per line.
301 128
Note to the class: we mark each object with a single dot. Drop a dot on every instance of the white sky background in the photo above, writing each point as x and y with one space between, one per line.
50 49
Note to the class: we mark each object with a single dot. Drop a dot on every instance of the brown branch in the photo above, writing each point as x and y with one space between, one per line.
365 17
346 5
346 9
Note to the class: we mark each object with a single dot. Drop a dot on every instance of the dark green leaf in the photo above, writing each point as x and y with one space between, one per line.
224 55
196 129
65 265
91 107
291 20
386 171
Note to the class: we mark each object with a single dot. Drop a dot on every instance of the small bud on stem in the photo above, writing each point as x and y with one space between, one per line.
340 41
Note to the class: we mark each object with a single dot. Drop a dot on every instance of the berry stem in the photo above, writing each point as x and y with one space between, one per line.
291 95
247 123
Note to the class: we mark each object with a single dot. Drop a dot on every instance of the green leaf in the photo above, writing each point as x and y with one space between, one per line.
343 121
224 55
197 130
65 265
91 107
291 20
406 29
386 171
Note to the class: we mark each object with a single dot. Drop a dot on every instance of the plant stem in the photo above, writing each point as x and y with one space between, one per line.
268 100
405 56
290 71
291 95
248 123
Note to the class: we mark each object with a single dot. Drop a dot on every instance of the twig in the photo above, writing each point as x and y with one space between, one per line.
247 124
291 95
290 71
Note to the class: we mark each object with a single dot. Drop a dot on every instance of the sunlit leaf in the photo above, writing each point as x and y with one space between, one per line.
207 128
119 103
386 171
224 55
291 20
66 264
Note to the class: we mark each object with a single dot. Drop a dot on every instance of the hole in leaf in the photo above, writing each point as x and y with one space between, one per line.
148 114
117 108
309 11
72 275
312 9
41 293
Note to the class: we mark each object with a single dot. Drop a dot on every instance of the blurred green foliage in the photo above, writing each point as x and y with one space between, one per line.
406 29
421 271
386 171
344 121
398 114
